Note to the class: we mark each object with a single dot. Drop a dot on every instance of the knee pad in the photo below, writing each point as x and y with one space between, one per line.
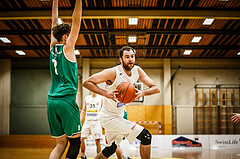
73 147
108 151
145 137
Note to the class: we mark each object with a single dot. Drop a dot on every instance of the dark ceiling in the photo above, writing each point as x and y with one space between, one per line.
165 27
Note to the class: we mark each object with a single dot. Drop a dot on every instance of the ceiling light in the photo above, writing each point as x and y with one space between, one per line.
20 52
76 52
44 0
5 40
132 39
208 21
133 21
196 39
60 21
238 53
187 52
223 0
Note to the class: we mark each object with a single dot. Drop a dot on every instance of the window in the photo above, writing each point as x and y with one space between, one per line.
214 106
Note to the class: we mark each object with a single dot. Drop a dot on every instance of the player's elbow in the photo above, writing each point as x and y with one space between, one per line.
84 84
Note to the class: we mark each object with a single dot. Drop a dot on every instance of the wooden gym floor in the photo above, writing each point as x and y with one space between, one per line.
22 153
40 147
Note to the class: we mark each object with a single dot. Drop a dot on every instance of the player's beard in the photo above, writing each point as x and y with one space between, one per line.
126 67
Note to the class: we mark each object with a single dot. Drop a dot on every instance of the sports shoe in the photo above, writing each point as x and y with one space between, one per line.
129 158
85 157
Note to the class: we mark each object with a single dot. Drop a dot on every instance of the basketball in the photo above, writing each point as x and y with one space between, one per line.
126 92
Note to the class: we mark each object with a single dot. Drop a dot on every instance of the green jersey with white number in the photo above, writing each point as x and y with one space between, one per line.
64 74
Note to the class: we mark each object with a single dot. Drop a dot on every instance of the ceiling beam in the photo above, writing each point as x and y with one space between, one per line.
122 13
124 31
84 47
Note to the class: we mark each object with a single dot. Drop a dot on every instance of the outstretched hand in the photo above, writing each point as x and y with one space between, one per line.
236 117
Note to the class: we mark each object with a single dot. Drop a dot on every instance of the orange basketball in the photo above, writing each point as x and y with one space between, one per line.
126 92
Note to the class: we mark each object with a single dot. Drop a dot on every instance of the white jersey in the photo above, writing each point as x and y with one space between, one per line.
110 107
93 106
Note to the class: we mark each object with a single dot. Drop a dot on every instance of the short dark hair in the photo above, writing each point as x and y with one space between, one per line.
128 48
60 30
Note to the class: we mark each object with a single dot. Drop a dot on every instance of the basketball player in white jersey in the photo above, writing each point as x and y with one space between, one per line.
91 126
111 116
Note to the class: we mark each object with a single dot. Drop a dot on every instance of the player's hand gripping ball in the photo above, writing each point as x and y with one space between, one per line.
126 92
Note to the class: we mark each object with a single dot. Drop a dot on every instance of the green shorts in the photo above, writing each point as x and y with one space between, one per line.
63 117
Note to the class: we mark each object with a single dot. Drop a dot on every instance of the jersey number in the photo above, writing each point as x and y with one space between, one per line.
92 105
55 66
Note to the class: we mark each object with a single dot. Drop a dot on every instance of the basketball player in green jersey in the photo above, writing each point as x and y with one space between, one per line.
62 110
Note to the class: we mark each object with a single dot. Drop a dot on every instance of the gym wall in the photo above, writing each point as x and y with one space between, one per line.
29 81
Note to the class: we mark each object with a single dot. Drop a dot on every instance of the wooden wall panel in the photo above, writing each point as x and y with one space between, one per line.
5 91
26 141
154 113
136 113
160 113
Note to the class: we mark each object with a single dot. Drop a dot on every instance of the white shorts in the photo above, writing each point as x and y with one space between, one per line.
93 128
116 128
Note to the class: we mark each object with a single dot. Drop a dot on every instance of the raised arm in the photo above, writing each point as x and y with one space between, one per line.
103 76
73 36
153 88
54 21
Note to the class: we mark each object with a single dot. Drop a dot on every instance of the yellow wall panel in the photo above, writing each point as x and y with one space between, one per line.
136 113
154 113
160 113
167 114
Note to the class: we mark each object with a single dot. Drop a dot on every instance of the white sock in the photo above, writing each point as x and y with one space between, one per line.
124 156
